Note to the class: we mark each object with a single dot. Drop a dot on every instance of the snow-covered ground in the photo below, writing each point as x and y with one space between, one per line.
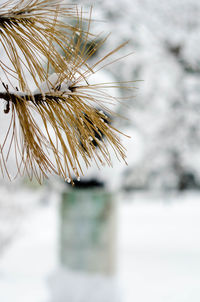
159 248
158 251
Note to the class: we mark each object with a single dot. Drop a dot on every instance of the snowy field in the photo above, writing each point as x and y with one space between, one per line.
158 251
159 248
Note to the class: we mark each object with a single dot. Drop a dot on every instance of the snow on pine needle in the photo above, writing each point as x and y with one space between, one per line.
65 121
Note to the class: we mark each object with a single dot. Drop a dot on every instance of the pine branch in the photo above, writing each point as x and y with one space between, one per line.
69 126
34 98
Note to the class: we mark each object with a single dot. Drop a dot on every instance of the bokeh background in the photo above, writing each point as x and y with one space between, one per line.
127 233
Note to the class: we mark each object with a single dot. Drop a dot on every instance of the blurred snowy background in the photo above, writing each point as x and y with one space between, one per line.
155 239
164 37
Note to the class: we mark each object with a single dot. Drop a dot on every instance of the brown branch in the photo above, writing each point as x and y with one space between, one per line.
35 98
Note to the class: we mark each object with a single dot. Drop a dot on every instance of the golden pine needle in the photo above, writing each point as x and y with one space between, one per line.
59 125
31 32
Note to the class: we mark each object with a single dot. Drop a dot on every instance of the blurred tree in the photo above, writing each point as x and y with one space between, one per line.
166 38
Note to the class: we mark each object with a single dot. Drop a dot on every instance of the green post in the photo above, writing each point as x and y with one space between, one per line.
88 230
